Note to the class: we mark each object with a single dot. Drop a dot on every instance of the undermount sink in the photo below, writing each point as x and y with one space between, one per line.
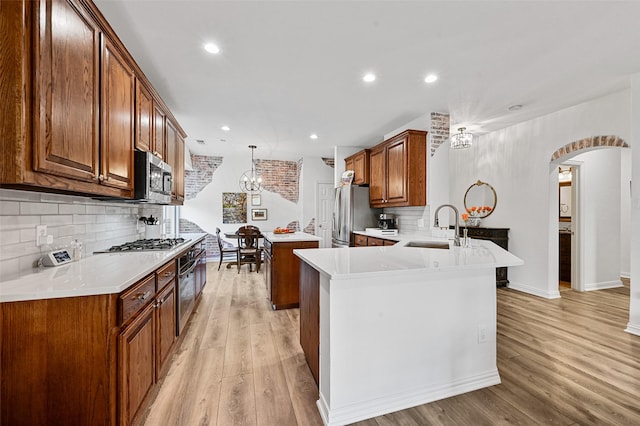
428 244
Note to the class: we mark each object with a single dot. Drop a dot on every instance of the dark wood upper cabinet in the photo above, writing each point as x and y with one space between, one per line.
66 91
76 102
118 89
144 118
159 136
398 171
359 163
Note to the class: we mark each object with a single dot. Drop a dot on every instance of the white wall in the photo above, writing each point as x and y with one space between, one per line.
625 213
634 306
314 170
516 162
205 210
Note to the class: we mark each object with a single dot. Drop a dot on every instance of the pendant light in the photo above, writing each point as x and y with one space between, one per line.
462 139
250 181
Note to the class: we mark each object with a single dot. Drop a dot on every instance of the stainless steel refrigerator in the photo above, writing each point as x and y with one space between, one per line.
351 212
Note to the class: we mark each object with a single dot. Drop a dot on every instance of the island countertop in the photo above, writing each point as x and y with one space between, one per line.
375 261
104 273
295 236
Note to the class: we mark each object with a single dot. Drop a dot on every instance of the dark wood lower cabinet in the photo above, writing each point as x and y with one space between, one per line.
58 361
136 361
499 236
283 272
310 317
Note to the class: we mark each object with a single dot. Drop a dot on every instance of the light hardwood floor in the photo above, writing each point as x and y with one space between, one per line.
562 362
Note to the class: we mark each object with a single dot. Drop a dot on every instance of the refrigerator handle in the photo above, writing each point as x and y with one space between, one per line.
336 214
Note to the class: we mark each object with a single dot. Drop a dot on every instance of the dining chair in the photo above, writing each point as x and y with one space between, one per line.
248 249
225 251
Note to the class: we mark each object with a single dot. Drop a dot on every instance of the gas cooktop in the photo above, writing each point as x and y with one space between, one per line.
154 244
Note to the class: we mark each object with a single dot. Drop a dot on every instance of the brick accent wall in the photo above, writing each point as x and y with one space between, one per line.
329 162
281 177
201 175
586 143
210 240
438 130
294 225
311 227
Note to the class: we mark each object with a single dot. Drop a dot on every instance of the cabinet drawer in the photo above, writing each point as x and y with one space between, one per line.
371 241
359 240
137 297
165 274
389 242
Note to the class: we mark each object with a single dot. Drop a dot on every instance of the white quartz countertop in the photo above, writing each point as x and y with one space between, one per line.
293 237
104 273
345 263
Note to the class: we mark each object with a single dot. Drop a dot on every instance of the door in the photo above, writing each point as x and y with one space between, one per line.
378 179
397 172
324 205
166 325
118 118
66 91
136 363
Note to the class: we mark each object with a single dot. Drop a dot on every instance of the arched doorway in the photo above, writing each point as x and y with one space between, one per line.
597 190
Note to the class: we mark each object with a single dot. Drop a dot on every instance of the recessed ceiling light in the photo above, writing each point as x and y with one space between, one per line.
313 136
515 107
211 48
368 78
225 128
430 78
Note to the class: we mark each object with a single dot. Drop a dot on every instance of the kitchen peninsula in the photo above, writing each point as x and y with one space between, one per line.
398 326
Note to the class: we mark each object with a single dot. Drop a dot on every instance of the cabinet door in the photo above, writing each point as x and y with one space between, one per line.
310 317
116 142
66 91
372 241
166 325
144 118
170 153
359 240
378 181
136 363
159 139
178 171
397 172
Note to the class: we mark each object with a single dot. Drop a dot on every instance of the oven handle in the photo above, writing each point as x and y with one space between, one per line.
188 271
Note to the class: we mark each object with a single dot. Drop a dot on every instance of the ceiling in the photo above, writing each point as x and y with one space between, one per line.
288 69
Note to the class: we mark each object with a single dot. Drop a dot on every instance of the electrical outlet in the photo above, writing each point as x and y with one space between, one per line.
482 334
41 234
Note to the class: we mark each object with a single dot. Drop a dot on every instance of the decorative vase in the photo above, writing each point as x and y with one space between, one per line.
473 222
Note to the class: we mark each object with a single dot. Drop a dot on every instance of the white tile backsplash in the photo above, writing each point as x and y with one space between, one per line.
408 218
98 225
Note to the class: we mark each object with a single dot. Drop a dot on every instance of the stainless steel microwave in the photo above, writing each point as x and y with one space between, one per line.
153 179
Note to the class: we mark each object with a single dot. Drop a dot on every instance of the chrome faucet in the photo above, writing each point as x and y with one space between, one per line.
456 237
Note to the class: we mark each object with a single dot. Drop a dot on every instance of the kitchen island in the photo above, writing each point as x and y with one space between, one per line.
398 326
282 268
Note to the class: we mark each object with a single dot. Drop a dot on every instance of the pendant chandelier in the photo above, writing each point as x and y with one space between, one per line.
250 181
462 139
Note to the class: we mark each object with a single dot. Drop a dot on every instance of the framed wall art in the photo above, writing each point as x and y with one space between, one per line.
259 214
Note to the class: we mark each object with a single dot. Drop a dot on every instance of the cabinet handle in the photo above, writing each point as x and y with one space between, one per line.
168 274
144 296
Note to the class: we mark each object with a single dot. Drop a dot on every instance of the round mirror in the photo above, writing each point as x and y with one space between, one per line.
480 199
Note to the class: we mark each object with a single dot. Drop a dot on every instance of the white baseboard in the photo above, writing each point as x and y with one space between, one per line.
554 294
633 329
603 285
625 275
380 406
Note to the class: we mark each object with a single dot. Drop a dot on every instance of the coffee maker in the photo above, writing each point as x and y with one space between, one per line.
387 221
